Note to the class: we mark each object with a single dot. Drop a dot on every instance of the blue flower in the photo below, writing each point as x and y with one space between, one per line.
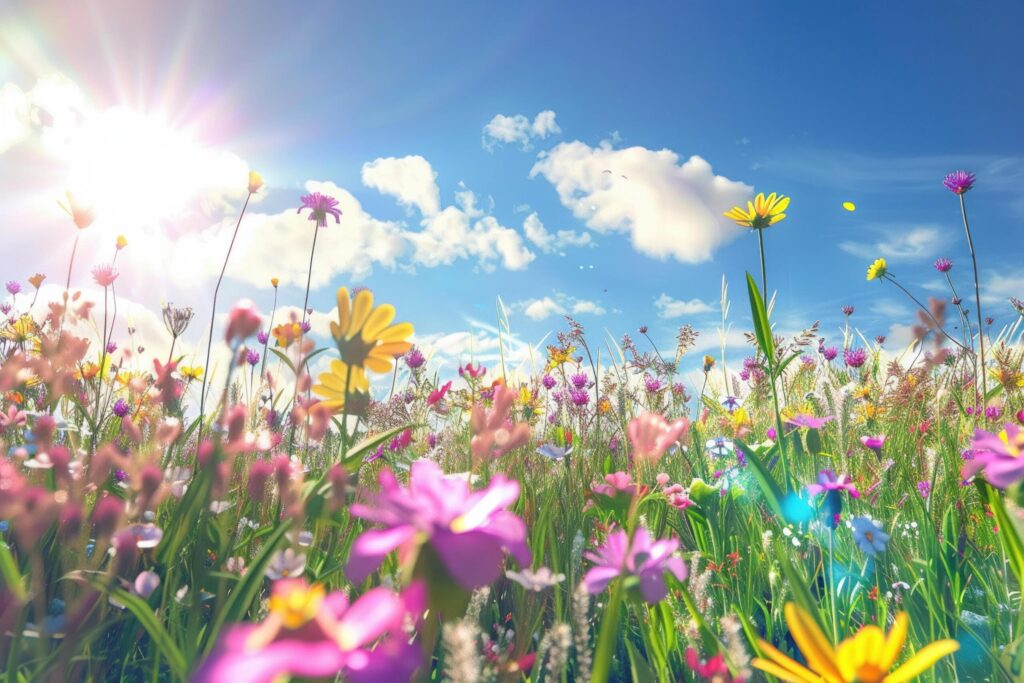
720 447
731 403
550 450
869 536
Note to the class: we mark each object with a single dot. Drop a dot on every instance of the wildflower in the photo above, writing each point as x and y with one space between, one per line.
579 380
255 182
943 265
959 182
535 581
652 384
709 362
104 275
559 356
829 353
855 358
121 407
719 447
829 482
579 397
468 530
320 206
924 488
876 270
731 403
121 242
81 215
869 536
549 382
867 657
145 584
760 213
415 359
875 443
13 287
809 421
191 371
651 435
313 635
468 370
176 319
37 280
998 455
847 310
550 450
365 336
642 560
438 395
252 357
243 321
286 333
286 564
880 339
714 669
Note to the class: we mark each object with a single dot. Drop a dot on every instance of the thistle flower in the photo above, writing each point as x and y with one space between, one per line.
761 213
104 274
847 310
320 206
877 270
943 265
829 353
643 562
252 357
415 359
855 358
13 287
959 181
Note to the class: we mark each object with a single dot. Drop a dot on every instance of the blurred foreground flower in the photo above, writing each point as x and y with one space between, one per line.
999 456
643 562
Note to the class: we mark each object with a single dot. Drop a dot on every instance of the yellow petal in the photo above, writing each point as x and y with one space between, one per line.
894 641
863 648
796 671
849 206
784 674
396 333
380 318
392 349
924 659
344 311
812 642
361 308
776 218
378 364
781 205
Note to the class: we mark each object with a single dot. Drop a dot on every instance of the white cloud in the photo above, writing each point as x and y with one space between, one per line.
582 306
547 242
411 180
541 309
677 308
997 289
901 244
518 129
668 208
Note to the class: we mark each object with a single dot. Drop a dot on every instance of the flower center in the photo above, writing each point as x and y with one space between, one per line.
297 606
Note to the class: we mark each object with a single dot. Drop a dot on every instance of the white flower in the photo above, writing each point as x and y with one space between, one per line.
535 580
285 564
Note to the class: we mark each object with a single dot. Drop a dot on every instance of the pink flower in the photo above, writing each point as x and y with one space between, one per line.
1000 456
651 435
104 274
468 370
828 481
494 434
243 321
437 395
875 443
310 634
320 206
469 530
644 559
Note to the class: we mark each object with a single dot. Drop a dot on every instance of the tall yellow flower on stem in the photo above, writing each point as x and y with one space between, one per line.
878 269
761 213
867 657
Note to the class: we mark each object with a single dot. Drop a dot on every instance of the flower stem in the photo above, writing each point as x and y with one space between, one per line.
213 317
920 305
764 268
67 288
309 275
977 300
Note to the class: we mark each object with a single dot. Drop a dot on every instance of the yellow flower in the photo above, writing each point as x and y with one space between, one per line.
877 269
286 333
297 604
191 371
336 384
275 282
557 357
122 242
867 657
760 213
709 362
365 336
21 330
604 406
255 182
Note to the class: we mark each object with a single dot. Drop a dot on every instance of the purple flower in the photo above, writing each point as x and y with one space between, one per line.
999 455
121 407
855 358
847 310
956 301
469 530
993 412
644 559
579 380
959 182
262 337
829 353
310 634
111 346
320 206
579 397
252 357
880 339
943 265
13 287
749 363
432 440
828 481
875 443
306 326
652 384
548 381
809 421
989 320
924 488
415 358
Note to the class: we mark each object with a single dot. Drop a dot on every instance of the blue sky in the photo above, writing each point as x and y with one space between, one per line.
826 102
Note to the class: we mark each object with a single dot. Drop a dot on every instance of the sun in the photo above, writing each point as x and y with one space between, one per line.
137 171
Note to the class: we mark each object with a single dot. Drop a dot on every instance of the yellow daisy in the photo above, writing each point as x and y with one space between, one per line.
760 213
365 336
877 269
334 383
867 657
191 371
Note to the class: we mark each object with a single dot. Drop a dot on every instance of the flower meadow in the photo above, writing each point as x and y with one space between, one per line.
823 509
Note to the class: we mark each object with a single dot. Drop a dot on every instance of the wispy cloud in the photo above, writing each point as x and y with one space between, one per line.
677 308
901 243
518 129
558 304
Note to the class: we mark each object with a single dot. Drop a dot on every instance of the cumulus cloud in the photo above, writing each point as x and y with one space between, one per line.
677 308
410 179
901 243
541 309
481 343
668 208
560 304
547 241
518 129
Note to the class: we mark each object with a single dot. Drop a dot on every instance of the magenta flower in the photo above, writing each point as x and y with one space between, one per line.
828 481
252 357
855 358
643 563
847 310
13 287
468 370
809 421
998 455
875 443
829 353
469 530
943 265
651 435
104 274
312 635
320 206
415 359
616 484
959 182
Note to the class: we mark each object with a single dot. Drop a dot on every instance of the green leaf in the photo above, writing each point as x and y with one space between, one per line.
9 571
284 359
769 487
638 666
762 330
1007 533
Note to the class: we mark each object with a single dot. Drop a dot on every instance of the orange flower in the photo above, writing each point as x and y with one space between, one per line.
37 280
